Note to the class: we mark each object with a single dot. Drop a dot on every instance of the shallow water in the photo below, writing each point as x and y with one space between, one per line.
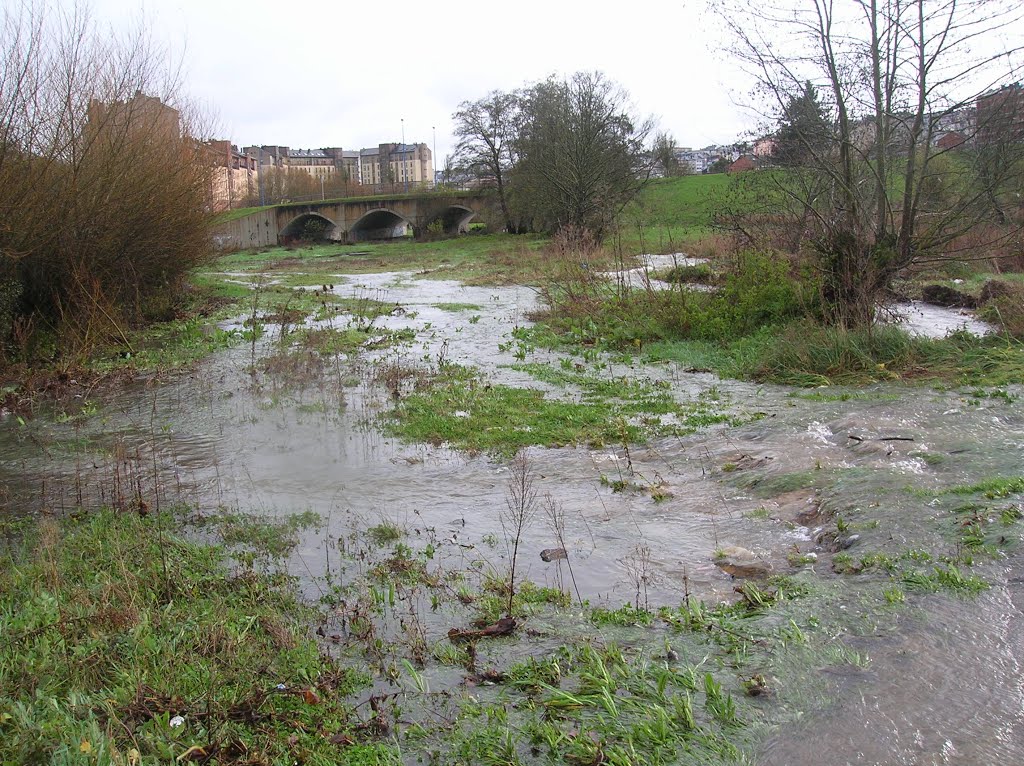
943 684
930 321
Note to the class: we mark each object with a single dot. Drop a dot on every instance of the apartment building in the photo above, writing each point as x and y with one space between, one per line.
1000 115
320 163
141 115
233 176
409 164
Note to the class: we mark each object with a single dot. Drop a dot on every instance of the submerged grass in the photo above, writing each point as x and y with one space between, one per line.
125 643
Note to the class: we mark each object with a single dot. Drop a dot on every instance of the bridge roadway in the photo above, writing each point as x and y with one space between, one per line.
352 220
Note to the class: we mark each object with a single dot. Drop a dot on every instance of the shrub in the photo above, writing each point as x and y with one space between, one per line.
1004 306
686 274
102 189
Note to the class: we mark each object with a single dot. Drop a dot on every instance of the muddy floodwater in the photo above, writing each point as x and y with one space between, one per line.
941 678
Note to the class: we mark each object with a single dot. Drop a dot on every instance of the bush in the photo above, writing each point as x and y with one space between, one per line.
699 273
757 290
110 209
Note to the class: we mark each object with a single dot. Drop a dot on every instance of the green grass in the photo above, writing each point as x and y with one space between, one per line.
685 274
604 704
993 489
673 212
166 345
804 354
461 410
475 259
385 533
351 340
457 306
114 628
458 408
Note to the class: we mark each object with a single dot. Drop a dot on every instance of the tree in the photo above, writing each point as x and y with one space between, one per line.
581 154
889 73
804 130
487 130
663 153
720 165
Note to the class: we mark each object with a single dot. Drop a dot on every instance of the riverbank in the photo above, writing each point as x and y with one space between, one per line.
870 513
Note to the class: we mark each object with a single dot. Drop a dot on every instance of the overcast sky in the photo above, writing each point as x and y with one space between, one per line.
327 73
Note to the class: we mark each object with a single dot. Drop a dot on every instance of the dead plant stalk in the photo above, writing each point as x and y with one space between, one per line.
520 509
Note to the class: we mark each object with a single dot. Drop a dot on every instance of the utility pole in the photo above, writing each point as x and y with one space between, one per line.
433 157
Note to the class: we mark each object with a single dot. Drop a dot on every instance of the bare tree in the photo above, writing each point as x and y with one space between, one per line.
663 153
487 130
281 184
891 74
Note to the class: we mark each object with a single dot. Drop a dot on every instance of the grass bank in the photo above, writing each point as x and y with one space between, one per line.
759 320
126 644
673 213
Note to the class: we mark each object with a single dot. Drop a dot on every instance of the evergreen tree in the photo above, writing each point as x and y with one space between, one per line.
805 131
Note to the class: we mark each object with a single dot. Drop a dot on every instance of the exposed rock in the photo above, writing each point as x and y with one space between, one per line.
741 461
800 507
553 554
941 295
739 562
835 541
847 541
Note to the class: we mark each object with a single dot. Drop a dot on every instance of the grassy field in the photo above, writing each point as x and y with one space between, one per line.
673 212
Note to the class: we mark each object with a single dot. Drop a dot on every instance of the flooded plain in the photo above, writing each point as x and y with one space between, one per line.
805 480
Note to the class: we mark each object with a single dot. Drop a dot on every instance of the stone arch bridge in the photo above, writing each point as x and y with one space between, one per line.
353 220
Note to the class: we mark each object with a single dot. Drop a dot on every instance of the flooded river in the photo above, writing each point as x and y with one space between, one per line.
941 682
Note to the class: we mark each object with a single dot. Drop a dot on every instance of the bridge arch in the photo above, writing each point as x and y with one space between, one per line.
308 226
380 223
454 219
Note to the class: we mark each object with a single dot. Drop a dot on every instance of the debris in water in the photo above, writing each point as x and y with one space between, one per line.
553 554
503 627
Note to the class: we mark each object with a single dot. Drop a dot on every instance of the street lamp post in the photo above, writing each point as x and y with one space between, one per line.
259 172
433 157
405 169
